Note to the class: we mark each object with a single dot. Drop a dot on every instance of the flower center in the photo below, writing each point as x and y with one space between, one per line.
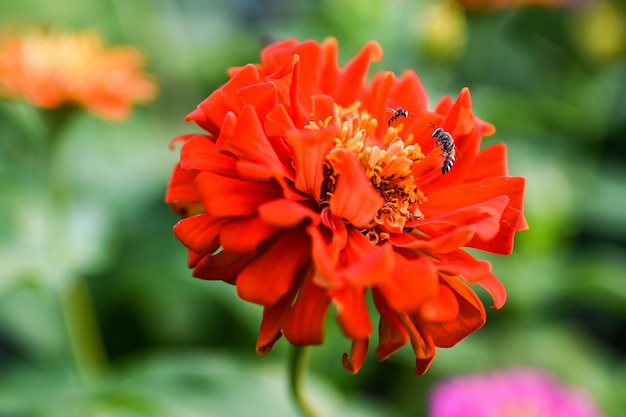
387 161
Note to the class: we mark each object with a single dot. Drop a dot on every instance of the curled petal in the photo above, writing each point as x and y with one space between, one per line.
247 140
310 148
473 271
471 316
261 97
210 113
392 334
352 311
278 122
273 319
421 342
354 198
328 243
482 220
199 233
357 356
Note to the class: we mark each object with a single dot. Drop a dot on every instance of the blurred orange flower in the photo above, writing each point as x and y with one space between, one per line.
50 69
309 191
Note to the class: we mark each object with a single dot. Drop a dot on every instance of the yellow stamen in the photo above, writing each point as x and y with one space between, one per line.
387 162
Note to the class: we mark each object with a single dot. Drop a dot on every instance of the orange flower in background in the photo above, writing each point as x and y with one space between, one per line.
308 191
50 69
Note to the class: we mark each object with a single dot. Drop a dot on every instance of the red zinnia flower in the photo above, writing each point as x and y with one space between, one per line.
309 197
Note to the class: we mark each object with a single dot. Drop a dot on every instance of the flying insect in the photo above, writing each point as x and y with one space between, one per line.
397 113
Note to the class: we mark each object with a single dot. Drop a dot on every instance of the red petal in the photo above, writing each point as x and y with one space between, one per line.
463 195
471 193
329 73
410 86
286 213
263 97
442 244
310 148
421 342
365 264
182 188
354 198
473 271
470 318
441 307
199 233
309 55
502 243
248 141
357 356
482 219
287 80
324 106
378 99
211 111
352 78
412 282
273 319
491 162
461 263
199 153
305 323
352 311
328 242
278 122
245 234
223 265
272 274
229 197
391 333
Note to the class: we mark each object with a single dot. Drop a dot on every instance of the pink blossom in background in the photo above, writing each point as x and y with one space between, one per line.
514 392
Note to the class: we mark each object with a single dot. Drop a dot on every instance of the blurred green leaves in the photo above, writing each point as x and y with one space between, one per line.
180 346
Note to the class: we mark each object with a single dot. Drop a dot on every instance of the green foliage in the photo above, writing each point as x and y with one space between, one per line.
93 213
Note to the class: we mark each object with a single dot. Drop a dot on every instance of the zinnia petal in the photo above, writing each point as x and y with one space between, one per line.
305 323
265 281
354 199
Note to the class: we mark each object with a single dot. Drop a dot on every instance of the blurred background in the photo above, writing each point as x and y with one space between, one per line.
551 77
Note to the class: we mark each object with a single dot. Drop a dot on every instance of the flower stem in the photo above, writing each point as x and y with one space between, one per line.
83 330
297 373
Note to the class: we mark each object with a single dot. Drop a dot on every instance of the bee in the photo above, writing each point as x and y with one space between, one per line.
397 113
448 149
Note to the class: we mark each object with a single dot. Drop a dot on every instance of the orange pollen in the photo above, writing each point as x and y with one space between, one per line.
387 160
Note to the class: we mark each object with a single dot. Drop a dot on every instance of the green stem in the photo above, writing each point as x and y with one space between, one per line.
78 312
297 373
82 329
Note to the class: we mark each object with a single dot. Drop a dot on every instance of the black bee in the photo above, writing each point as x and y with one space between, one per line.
445 141
397 113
